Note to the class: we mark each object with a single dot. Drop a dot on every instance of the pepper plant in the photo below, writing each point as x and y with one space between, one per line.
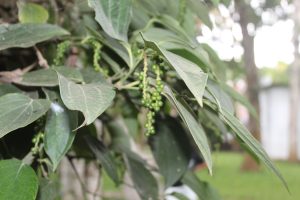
103 77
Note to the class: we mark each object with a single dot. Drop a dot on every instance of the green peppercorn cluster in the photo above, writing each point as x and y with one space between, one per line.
60 52
151 98
37 140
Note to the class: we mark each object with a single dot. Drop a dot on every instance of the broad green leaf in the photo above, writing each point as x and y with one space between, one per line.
104 156
59 134
91 99
143 180
18 110
49 188
27 35
201 9
203 189
32 13
48 77
194 78
168 152
8 88
18 181
241 131
113 16
90 76
194 127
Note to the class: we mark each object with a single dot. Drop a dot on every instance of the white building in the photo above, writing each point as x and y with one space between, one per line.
274 120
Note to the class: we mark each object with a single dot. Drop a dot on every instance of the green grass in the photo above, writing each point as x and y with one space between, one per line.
233 184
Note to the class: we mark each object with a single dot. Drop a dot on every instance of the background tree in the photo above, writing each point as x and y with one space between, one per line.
111 83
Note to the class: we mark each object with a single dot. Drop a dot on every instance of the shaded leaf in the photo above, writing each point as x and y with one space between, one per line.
59 134
203 189
194 127
8 88
104 156
194 78
143 180
27 35
49 189
113 16
18 110
168 153
91 99
32 13
18 180
48 77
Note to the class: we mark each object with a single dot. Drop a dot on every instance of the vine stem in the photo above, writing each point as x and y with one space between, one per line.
145 69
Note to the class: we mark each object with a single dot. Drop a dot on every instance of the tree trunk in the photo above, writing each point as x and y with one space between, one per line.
294 87
252 79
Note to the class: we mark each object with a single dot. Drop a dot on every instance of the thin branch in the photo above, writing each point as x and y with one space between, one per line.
42 61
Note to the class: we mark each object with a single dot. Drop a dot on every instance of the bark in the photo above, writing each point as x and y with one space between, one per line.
294 87
252 79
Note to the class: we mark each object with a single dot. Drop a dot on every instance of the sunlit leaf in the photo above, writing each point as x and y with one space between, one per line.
18 181
32 13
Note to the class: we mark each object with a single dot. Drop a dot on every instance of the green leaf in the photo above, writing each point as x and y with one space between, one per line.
143 180
241 131
104 156
204 190
8 88
59 134
168 153
49 188
48 77
113 16
194 78
18 110
32 13
201 9
18 181
194 127
27 35
91 99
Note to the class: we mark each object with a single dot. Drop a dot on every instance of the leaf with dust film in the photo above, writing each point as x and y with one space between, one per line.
18 181
18 110
90 99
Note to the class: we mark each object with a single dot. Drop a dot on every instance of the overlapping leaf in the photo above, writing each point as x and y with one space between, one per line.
195 128
27 35
18 110
113 16
18 181
59 134
194 78
48 77
91 99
